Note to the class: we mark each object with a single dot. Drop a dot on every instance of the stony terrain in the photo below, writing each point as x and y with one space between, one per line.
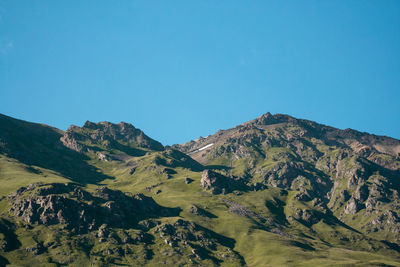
274 191
356 176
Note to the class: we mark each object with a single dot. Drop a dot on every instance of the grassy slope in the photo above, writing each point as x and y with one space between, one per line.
14 174
258 246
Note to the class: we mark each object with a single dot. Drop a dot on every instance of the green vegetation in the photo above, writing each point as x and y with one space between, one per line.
308 198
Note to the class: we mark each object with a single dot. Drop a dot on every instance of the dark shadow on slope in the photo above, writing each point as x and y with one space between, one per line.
173 158
307 236
392 175
330 219
302 245
276 207
217 167
40 145
258 150
392 246
223 240
131 151
11 239
202 212
3 261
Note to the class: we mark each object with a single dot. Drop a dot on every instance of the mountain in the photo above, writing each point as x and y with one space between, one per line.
122 136
274 191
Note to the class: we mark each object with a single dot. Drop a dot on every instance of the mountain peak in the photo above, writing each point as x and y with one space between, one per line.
281 130
108 133
89 125
106 124
269 119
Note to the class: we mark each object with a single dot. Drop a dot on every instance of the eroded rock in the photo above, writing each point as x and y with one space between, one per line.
218 183
78 210
353 206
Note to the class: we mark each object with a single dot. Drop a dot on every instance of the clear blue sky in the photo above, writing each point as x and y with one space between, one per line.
181 69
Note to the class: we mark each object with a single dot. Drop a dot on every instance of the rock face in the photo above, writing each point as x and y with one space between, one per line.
109 135
201 241
306 216
78 210
387 221
352 207
69 139
119 222
218 183
300 136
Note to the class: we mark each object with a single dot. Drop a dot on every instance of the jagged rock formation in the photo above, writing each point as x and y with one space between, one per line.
199 240
218 183
350 172
97 217
285 131
78 210
40 146
108 135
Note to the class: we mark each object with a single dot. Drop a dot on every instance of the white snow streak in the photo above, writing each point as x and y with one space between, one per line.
204 147
200 149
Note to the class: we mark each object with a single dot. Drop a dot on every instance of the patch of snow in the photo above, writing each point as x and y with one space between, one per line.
200 149
204 147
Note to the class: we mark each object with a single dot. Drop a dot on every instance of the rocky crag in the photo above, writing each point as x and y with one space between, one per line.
355 175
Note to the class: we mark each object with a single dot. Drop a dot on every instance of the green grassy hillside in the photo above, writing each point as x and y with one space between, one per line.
290 193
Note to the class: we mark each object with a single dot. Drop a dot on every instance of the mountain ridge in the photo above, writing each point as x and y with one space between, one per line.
322 195
269 119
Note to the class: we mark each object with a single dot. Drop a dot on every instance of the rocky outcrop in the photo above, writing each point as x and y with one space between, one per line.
218 183
80 211
201 212
71 140
108 135
201 241
307 217
352 207
388 221
283 173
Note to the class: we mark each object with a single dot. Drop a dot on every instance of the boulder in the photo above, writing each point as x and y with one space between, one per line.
218 183
353 206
